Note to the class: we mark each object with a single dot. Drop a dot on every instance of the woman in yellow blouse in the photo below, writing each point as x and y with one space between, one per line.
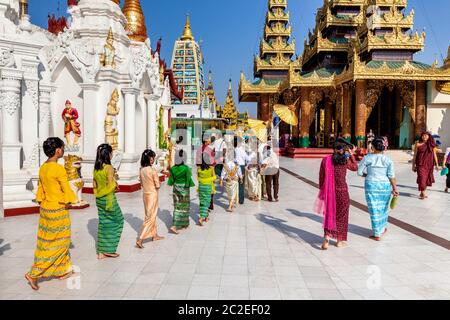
110 224
206 178
54 195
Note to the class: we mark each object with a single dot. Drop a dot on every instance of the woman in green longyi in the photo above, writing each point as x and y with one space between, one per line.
110 215
181 180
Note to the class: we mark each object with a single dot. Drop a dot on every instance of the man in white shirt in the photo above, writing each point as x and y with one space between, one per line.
270 169
242 160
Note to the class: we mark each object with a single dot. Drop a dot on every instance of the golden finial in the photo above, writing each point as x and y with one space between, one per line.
187 33
117 2
23 8
136 28
110 38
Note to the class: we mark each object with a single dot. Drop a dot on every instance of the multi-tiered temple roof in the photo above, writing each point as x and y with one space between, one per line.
276 54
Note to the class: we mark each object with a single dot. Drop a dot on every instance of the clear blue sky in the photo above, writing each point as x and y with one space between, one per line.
230 30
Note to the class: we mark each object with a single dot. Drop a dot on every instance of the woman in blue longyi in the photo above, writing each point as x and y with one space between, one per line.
380 186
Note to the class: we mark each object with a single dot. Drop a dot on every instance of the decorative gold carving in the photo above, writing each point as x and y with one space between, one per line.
111 131
443 87
108 57
278 29
393 40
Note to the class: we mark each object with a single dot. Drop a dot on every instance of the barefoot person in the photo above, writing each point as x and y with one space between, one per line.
425 156
51 258
232 176
110 215
206 178
334 200
150 185
380 185
181 180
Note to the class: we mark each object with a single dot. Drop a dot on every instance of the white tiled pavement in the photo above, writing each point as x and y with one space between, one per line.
264 251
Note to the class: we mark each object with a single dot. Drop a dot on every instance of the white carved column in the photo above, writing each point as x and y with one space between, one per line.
130 119
152 124
45 90
93 132
14 180
10 104
30 120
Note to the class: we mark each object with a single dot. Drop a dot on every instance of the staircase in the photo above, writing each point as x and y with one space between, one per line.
400 156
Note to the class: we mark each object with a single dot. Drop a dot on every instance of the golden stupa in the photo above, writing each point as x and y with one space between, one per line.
187 33
136 21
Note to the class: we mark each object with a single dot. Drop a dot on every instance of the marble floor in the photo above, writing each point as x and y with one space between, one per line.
263 251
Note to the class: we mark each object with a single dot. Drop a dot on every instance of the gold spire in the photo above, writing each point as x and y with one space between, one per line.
187 33
23 8
136 21
116 1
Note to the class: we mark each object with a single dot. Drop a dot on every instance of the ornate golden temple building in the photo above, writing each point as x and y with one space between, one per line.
357 73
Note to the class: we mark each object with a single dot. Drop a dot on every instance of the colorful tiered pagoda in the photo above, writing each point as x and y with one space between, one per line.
272 65
187 63
358 74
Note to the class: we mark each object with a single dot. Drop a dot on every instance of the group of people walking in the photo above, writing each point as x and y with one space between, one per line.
240 170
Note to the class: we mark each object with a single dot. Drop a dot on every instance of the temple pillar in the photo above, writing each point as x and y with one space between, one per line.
346 113
305 117
421 101
264 108
328 126
388 119
45 101
130 119
360 112
152 124
93 131
10 105
398 116
30 120
14 180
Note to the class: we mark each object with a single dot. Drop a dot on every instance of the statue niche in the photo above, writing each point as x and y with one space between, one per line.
108 57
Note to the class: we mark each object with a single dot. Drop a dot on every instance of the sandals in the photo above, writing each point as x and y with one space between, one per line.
157 238
32 282
174 230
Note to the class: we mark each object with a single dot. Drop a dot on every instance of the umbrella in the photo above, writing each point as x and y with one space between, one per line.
259 128
287 113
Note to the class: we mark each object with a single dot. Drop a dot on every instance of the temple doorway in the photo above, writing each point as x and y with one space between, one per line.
386 117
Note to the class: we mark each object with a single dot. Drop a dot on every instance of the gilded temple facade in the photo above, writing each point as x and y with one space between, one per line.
357 74
273 63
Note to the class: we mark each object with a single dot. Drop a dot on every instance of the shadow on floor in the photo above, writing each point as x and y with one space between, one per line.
403 194
4 247
360 231
134 222
312 239
166 217
92 227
